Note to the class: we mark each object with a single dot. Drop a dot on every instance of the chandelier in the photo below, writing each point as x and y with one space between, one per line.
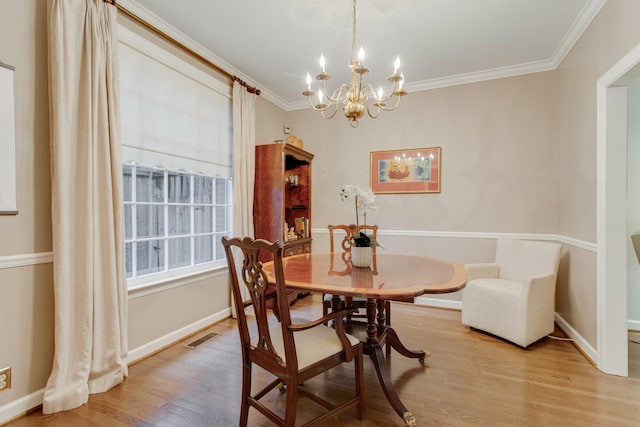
357 97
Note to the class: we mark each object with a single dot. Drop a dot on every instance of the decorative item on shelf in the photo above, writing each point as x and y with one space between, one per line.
295 141
354 97
364 200
291 234
292 180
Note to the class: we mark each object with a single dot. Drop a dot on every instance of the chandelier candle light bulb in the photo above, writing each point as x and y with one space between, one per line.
354 97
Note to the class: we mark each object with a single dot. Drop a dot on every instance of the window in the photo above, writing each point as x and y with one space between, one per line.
177 145
173 219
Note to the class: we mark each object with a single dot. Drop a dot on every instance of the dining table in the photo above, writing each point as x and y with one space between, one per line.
391 277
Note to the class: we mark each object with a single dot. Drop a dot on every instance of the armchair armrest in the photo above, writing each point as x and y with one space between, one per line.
540 280
542 283
338 316
487 270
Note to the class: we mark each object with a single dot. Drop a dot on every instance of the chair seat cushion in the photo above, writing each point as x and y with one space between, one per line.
312 345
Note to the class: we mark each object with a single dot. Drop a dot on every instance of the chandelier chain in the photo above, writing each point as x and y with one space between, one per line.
353 34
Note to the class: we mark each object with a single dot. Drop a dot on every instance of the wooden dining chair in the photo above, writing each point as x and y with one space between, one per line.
293 353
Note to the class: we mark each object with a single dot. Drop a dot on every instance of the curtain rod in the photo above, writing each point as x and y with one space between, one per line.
155 30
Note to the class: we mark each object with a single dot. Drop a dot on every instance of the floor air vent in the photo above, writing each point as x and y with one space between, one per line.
201 340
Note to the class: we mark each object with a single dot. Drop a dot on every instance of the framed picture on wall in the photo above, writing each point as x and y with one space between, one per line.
8 190
412 170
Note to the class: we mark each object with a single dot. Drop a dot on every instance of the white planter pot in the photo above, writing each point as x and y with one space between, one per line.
361 257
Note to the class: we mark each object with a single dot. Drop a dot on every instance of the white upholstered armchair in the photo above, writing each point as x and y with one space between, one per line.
513 297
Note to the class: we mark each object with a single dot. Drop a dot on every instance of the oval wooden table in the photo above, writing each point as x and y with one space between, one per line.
390 278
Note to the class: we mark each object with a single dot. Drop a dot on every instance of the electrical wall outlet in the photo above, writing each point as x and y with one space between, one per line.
5 379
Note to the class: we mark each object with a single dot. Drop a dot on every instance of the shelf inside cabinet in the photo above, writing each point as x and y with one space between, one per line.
294 186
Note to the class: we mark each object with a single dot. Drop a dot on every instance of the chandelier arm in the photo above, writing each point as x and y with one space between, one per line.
335 110
391 94
337 94
385 108
377 113
316 108
368 88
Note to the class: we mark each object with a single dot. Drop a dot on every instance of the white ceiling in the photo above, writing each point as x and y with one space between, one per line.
273 44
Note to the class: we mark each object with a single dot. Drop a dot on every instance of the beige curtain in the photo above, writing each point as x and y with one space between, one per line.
244 156
86 204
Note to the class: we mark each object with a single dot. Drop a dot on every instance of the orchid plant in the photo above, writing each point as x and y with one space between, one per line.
364 201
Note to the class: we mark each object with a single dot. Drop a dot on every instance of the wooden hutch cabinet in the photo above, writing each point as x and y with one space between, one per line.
282 196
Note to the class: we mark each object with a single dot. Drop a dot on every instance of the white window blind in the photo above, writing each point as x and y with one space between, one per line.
173 114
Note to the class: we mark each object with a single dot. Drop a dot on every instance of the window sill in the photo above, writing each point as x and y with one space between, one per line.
164 283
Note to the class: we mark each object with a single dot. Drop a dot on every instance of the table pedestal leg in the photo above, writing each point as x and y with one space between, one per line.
379 362
392 338
380 365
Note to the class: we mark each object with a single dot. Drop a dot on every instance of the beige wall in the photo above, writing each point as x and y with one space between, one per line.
26 295
270 121
498 158
613 33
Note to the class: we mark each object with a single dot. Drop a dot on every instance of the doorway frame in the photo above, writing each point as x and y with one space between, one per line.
611 224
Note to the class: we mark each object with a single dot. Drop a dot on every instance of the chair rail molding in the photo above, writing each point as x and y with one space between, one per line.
570 241
22 260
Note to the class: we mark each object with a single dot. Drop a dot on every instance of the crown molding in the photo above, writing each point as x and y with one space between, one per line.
579 26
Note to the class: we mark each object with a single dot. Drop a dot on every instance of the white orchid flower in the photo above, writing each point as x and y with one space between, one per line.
364 200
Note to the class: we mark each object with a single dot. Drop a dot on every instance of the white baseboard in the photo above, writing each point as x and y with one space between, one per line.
586 348
21 406
438 303
166 340
633 325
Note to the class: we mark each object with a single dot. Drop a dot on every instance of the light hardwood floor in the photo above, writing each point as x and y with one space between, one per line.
471 379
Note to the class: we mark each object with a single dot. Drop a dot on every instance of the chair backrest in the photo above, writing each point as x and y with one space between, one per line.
520 259
245 269
349 230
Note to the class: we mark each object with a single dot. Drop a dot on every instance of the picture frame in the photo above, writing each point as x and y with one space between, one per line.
412 170
8 186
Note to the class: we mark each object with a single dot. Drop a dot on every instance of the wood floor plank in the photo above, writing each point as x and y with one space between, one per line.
471 379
